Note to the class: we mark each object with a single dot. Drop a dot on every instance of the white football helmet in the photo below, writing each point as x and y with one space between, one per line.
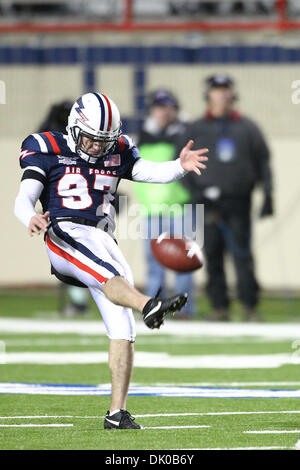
94 126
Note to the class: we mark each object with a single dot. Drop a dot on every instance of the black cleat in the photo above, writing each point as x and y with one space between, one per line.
155 310
120 420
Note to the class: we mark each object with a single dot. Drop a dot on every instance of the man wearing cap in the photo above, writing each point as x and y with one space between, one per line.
239 159
162 209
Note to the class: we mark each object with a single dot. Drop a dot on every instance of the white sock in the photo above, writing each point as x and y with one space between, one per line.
114 412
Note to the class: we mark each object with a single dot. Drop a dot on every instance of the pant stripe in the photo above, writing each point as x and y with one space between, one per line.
57 250
83 249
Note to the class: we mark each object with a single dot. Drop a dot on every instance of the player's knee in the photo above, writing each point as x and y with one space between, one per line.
130 337
121 326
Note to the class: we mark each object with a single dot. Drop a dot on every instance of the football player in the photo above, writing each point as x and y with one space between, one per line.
76 176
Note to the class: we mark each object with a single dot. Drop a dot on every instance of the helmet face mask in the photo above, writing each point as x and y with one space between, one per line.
90 147
94 126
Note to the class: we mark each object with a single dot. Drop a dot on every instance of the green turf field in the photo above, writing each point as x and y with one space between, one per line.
181 422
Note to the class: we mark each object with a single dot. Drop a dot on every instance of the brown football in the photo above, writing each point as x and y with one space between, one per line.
179 254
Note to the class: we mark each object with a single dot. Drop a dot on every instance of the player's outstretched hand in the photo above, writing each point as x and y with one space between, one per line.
191 159
38 222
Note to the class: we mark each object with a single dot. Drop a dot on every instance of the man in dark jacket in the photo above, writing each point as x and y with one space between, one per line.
238 160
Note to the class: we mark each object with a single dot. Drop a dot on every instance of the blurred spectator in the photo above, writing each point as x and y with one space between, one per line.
238 160
221 7
163 9
157 142
77 298
57 117
36 8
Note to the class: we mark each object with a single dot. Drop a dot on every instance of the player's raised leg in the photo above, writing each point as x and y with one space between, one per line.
103 266
154 310
119 291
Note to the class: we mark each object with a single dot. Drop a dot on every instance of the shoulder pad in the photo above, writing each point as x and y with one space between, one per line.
126 142
30 144
43 142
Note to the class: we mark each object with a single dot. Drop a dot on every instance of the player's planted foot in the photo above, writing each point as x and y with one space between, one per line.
120 420
155 310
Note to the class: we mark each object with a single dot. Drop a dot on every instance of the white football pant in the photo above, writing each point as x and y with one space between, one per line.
91 256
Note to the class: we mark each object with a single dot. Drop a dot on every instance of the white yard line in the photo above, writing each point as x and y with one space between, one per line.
47 417
177 427
294 431
35 425
105 390
161 415
220 413
55 357
282 331
157 359
141 340
220 384
55 342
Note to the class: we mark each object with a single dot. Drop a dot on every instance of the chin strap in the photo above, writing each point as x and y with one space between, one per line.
86 157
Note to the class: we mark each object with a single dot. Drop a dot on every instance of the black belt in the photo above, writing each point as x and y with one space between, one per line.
78 220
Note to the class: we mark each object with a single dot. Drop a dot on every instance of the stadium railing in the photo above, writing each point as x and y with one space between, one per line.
137 15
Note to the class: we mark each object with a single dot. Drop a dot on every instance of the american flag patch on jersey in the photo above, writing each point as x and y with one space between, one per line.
113 160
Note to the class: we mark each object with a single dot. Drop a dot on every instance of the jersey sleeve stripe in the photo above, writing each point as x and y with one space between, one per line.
52 142
121 144
33 175
63 254
42 144
128 140
36 168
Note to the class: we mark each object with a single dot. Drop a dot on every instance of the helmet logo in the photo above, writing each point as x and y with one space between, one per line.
83 117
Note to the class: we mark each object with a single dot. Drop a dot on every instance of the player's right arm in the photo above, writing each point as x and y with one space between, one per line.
29 193
32 160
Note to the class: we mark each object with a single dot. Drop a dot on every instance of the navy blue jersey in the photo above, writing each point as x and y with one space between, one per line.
72 186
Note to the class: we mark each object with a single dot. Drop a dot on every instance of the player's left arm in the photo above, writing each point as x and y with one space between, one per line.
166 172
191 160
